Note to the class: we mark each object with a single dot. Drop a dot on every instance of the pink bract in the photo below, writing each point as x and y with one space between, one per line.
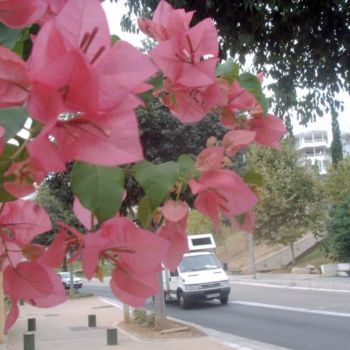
210 159
166 22
14 77
222 191
181 58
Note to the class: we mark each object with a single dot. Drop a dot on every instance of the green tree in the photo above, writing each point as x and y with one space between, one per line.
304 45
338 242
337 181
57 210
291 197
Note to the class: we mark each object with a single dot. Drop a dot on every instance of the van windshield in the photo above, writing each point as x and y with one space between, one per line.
199 262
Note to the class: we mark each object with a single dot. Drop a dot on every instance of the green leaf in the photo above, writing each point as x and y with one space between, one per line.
9 37
12 119
144 212
253 178
156 81
251 83
228 70
99 188
187 167
156 180
114 38
5 196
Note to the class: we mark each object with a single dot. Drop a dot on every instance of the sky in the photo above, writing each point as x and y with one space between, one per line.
114 12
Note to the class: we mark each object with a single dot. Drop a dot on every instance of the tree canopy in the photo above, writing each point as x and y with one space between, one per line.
304 45
290 198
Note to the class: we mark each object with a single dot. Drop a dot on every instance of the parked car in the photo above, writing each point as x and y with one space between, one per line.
78 282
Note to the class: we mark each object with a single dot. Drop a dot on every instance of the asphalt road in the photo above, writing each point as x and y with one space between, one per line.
294 319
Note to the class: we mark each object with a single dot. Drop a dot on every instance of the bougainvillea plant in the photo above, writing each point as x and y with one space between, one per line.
79 90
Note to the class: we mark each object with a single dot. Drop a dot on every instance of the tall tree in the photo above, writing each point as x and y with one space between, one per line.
338 242
337 182
304 45
291 197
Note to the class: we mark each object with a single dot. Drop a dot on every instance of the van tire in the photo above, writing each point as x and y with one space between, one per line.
182 301
224 300
167 297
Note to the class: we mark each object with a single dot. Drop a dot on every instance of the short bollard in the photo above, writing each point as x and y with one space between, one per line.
31 325
225 266
21 302
28 341
112 336
92 320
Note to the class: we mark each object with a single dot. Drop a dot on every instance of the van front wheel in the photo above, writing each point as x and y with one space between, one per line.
224 300
182 301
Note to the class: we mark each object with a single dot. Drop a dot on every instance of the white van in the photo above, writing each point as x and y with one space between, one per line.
199 277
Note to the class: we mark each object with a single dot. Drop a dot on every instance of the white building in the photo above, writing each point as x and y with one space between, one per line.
314 146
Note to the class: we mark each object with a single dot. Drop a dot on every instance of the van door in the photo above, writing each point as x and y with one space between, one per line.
174 282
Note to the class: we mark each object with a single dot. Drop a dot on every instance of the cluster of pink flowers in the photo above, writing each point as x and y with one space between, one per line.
83 90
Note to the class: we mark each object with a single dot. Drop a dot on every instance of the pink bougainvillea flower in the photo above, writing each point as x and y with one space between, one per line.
245 222
25 174
235 140
166 22
84 215
269 130
25 220
35 284
121 72
84 91
191 105
56 252
15 81
20 13
210 159
190 58
137 254
222 191
174 231
132 288
108 139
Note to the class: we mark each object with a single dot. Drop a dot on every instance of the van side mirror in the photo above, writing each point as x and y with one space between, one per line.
174 273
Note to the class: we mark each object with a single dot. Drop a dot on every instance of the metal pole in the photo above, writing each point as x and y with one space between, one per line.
252 255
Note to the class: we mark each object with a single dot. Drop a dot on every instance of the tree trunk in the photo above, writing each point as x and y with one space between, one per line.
293 252
160 317
2 310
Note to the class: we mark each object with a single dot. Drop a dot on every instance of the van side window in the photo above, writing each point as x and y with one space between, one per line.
174 273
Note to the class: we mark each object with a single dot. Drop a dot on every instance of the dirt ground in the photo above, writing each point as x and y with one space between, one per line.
172 330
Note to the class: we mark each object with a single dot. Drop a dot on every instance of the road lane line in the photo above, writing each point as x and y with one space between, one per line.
290 287
290 308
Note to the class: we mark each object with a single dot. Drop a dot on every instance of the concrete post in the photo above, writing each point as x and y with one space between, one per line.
31 324
28 341
92 320
112 336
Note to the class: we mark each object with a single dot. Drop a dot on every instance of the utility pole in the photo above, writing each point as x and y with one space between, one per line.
160 316
252 254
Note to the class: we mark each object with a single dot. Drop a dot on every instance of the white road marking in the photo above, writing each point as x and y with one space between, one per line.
290 308
291 287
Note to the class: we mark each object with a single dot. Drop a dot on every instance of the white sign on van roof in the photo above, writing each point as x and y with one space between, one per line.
201 242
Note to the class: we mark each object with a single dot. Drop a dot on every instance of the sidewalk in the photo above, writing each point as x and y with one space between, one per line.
66 327
314 281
